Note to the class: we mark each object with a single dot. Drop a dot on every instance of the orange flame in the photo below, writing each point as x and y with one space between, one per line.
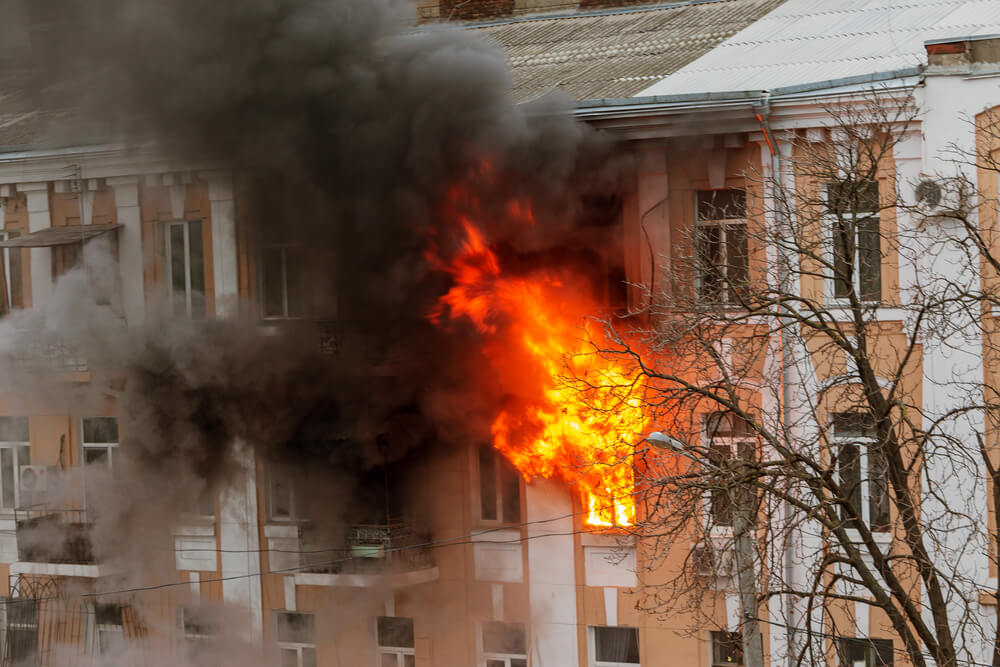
573 414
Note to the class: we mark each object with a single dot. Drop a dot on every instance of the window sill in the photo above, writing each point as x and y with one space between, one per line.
606 538
497 534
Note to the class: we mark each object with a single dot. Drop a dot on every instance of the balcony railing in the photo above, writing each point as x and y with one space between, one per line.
371 549
53 536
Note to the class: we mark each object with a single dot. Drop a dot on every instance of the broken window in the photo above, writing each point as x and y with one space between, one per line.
853 210
185 268
499 487
15 451
296 635
721 246
505 644
615 646
395 642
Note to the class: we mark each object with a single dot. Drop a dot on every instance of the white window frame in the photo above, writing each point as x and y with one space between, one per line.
96 630
399 651
829 222
168 261
283 247
111 449
733 444
723 224
863 444
506 658
498 461
15 446
592 648
294 646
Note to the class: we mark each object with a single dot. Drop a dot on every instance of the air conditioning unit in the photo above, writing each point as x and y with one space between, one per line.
34 479
939 197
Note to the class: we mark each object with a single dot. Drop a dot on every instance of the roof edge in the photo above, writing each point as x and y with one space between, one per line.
524 18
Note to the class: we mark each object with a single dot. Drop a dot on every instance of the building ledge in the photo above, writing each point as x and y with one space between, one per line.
56 569
394 580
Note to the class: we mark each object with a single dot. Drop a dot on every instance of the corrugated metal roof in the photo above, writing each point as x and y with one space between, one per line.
616 54
804 41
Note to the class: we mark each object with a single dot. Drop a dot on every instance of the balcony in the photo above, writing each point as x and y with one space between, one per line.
53 536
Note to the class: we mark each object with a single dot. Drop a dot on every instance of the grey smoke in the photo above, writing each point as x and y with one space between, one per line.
347 125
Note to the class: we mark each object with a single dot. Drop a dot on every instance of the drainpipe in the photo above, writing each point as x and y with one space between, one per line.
784 285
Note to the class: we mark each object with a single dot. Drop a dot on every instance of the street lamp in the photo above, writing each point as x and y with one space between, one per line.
743 546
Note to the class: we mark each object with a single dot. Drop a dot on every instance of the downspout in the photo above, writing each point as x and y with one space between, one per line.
763 117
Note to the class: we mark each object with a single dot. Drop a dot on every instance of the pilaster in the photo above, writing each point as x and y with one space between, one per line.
224 256
130 256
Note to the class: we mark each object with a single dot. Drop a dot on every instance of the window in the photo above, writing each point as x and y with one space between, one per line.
615 646
109 626
100 443
280 283
395 642
499 487
22 631
12 295
296 634
853 210
185 268
281 505
15 451
861 469
728 436
721 246
853 652
727 649
505 645
198 634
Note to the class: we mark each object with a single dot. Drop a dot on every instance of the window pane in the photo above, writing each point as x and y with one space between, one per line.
722 509
843 258
870 259
721 204
197 264
14 429
16 281
389 660
280 494
272 282
852 197
518 662
510 489
504 638
710 260
853 425
178 270
308 657
410 660
616 644
737 261
7 474
849 465
727 648
96 456
495 663
395 631
295 628
289 657
878 489
100 429
488 482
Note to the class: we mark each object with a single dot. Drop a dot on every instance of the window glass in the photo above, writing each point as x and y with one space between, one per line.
100 430
853 652
487 482
272 281
504 638
727 648
197 268
721 246
726 204
395 631
14 429
295 628
7 477
617 645
510 484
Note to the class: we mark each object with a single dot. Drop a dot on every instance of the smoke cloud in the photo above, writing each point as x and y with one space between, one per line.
348 127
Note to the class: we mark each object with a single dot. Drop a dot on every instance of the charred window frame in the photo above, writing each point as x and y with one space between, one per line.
852 652
184 267
499 485
295 634
721 247
504 644
395 640
99 445
726 436
854 239
15 451
727 649
616 646
861 470
13 275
